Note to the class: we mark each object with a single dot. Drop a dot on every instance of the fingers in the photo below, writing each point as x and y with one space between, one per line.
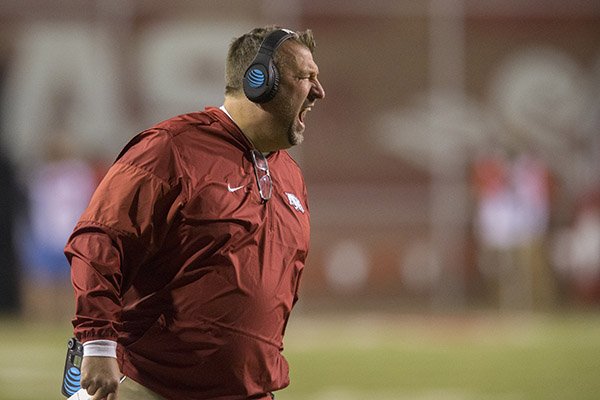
112 396
89 386
101 390
100 377
101 394
107 391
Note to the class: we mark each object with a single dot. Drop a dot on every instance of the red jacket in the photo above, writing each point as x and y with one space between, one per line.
178 260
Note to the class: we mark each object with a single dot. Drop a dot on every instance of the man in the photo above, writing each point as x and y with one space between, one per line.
187 261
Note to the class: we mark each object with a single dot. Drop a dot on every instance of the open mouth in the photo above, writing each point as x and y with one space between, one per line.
303 113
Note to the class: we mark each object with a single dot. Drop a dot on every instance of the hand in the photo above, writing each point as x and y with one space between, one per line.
100 377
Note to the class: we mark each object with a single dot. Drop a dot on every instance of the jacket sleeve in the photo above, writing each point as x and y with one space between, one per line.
126 221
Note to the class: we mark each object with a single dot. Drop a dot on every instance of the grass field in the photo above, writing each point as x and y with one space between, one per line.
383 357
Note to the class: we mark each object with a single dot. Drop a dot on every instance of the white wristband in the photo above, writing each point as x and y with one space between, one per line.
100 348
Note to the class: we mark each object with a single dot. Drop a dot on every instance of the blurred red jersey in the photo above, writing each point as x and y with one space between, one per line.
179 260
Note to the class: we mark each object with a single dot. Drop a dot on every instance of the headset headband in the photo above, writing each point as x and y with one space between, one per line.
274 40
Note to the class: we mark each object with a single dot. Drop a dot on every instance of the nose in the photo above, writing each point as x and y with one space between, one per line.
317 91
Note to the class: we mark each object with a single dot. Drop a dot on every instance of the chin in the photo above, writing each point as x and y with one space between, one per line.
295 138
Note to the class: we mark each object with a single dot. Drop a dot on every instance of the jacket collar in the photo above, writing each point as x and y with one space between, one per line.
223 117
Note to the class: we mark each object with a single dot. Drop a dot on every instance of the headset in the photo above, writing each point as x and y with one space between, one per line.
261 79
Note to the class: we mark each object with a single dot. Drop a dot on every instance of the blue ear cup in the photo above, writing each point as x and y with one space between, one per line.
257 77
261 79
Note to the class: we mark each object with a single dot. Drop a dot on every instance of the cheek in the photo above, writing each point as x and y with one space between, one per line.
296 101
296 92
291 98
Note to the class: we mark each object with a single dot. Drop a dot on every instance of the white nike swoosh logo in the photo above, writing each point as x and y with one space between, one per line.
233 189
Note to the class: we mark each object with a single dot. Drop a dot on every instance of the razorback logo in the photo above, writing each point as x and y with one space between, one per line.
295 202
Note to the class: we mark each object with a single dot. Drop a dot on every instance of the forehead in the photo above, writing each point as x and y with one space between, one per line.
297 57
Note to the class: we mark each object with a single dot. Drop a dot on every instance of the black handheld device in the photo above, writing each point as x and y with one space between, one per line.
72 373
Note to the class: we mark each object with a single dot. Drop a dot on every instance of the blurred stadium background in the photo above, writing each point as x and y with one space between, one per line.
453 173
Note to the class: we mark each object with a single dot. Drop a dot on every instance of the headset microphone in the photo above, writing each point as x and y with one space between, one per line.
261 79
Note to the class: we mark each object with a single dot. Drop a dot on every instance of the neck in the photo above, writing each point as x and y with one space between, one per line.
254 122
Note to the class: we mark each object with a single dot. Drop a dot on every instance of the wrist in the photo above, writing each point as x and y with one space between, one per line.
100 348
